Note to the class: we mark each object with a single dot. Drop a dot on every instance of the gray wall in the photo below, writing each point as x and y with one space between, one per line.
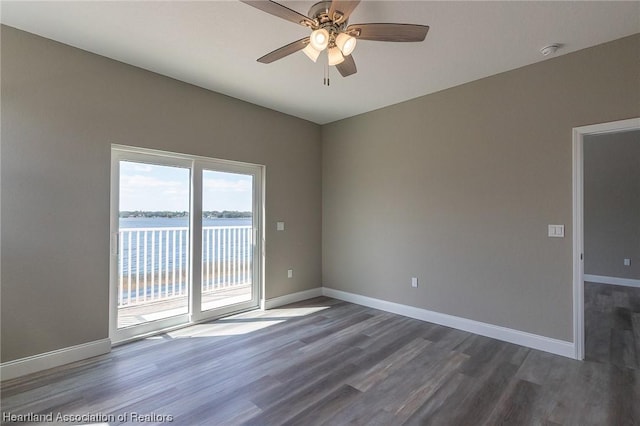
62 108
457 188
612 204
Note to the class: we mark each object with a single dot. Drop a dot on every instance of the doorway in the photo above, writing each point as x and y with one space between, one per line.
579 134
185 235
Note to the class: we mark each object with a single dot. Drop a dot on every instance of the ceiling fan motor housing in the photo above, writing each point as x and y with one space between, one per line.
320 12
334 25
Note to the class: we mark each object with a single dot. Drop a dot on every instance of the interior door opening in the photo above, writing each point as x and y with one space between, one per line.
579 134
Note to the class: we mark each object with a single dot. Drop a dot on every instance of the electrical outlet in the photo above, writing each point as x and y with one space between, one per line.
414 282
289 273
627 262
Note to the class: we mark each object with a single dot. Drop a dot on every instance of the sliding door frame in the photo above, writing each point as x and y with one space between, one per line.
196 165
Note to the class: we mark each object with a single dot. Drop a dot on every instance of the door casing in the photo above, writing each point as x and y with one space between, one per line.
578 220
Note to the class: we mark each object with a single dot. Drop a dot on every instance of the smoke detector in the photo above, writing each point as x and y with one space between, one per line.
550 49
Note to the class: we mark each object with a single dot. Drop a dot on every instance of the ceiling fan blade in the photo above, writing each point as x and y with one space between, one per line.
347 67
280 11
388 32
284 51
343 7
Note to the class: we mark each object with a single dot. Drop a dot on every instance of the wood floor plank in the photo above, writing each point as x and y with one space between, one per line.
361 328
328 362
623 349
430 380
517 407
610 336
365 379
623 396
299 398
479 400
450 390
635 328
320 410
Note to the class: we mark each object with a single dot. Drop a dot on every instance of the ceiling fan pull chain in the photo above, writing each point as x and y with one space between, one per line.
326 75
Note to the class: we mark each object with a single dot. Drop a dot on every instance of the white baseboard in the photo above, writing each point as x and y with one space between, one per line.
546 344
627 282
33 364
292 298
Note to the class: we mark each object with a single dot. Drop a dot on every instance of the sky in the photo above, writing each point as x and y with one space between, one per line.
159 188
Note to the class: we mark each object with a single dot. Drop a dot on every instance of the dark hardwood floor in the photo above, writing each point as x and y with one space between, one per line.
327 362
612 324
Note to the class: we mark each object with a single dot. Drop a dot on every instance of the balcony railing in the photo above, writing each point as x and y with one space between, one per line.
153 263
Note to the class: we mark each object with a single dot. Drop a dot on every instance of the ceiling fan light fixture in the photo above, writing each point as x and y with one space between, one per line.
346 43
320 39
311 52
327 21
335 56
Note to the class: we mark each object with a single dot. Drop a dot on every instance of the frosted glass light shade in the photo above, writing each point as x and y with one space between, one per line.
311 52
335 56
320 39
346 43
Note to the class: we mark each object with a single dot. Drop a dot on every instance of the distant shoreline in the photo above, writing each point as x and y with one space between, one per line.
213 214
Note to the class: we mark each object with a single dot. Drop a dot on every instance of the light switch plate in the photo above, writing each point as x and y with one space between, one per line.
279 226
556 231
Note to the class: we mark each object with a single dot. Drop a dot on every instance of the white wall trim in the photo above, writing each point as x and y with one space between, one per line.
611 127
627 282
577 164
33 364
578 219
547 344
292 298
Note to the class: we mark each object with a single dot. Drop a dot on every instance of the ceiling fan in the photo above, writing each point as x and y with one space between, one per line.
328 21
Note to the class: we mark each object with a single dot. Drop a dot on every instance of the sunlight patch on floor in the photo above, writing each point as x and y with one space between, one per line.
244 323
293 312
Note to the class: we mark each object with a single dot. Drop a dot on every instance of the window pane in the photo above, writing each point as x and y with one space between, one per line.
153 243
227 238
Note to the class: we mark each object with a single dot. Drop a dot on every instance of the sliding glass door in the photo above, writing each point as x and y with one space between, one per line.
227 237
185 234
153 242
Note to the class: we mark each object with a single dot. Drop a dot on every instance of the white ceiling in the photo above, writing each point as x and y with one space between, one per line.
215 44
